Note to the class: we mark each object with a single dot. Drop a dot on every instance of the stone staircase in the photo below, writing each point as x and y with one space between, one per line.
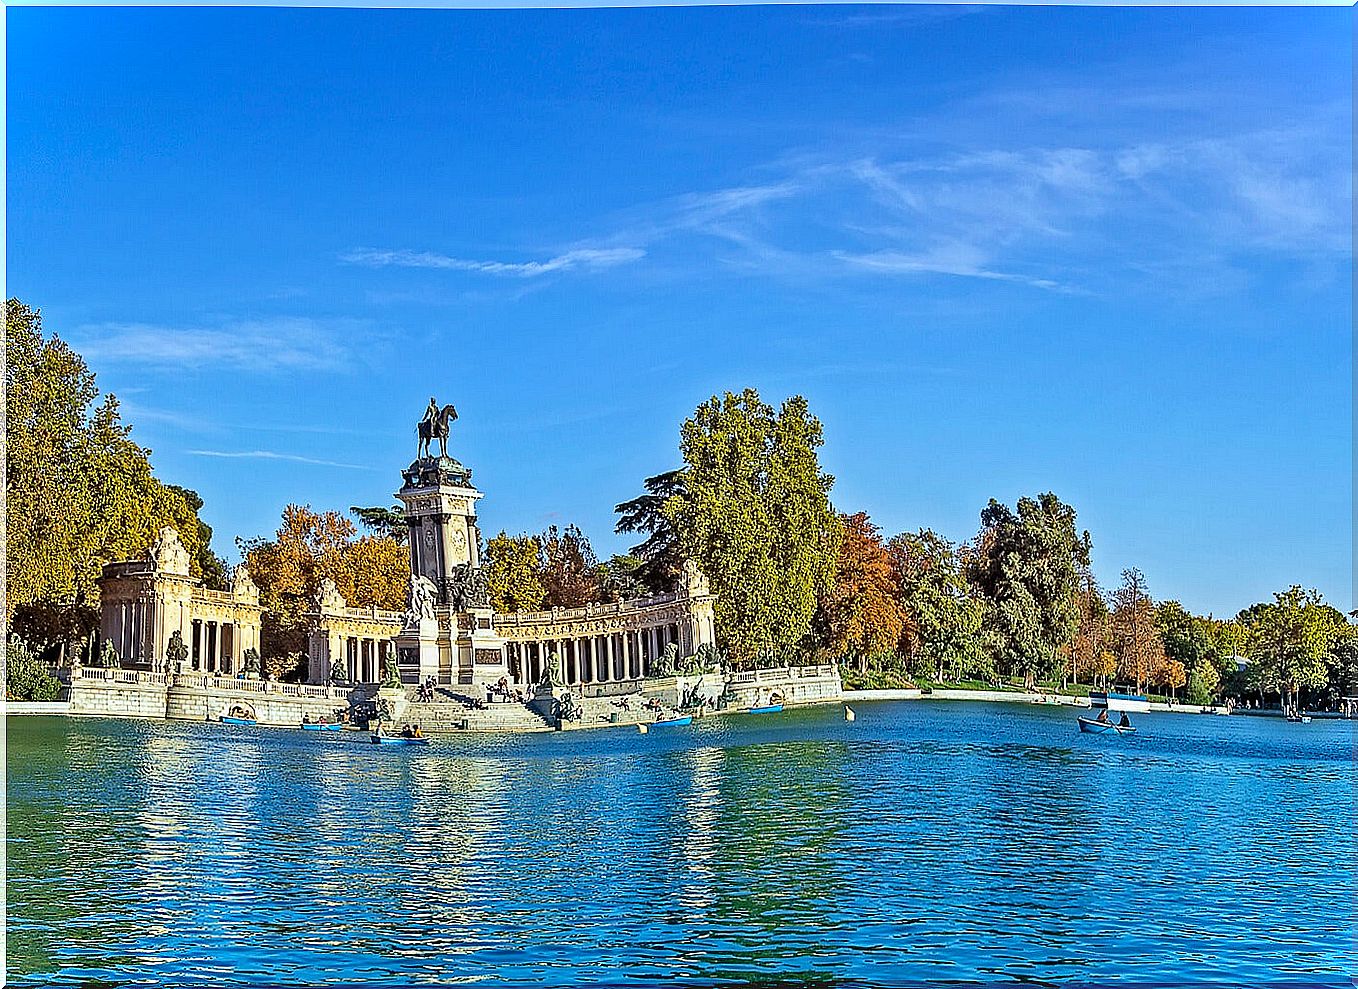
451 711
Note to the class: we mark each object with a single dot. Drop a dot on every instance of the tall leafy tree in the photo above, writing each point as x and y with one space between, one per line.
1289 641
568 568
942 612
79 491
1186 637
1027 564
1342 664
369 571
755 514
862 614
1140 651
511 565
660 552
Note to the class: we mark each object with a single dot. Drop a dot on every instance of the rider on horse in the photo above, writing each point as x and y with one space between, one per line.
434 425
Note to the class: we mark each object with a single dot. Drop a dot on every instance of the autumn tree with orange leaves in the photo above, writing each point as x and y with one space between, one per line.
370 571
862 615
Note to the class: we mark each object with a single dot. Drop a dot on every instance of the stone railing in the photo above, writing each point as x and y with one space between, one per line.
201 681
119 676
214 596
780 674
588 611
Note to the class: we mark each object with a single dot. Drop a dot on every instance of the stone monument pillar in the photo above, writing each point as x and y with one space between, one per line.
452 634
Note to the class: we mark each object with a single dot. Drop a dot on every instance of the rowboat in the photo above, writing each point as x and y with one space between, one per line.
1103 727
1119 702
321 726
398 740
766 709
687 719
226 720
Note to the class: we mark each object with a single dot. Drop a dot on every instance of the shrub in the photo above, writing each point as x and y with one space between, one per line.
26 677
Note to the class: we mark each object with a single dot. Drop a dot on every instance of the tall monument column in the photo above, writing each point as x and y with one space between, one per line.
440 512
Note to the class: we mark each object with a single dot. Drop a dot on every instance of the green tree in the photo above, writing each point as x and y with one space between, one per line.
1203 683
1342 664
80 493
1186 637
26 676
389 522
755 514
511 567
660 552
1027 564
943 613
621 578
1289 642
210 565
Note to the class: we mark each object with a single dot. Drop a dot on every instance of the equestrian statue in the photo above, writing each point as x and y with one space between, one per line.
434 426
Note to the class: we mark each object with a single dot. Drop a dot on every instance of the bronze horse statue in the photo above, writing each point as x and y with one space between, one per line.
434 426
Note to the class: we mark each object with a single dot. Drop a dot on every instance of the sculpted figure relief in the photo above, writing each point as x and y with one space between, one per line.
328 596
168 553
434 426
468 587
423 597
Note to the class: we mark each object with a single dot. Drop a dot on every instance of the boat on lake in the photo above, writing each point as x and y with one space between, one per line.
398 739
230 720
321 726
678 722
1119 702
1096 727
766 709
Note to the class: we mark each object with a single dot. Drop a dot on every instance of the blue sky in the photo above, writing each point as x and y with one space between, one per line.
1104 252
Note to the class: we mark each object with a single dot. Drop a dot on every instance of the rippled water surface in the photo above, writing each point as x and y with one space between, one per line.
923 841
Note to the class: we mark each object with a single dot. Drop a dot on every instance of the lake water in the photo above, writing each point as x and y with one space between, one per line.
924 841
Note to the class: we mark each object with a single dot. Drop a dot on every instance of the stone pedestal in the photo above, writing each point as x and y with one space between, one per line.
417 650
480 652
440 512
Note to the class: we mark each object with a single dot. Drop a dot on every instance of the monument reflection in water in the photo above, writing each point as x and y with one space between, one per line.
922 841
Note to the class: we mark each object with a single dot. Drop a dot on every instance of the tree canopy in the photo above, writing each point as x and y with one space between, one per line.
862 612
660 553
755 514
80 492
511 564
369 571
1027 563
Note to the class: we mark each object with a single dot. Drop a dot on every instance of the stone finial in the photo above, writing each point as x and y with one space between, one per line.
243 586
168 554
329 598
694 580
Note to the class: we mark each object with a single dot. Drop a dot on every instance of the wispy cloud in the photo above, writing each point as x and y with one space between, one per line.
583 257
959 260
1058 187
1061 218
280 344
272 455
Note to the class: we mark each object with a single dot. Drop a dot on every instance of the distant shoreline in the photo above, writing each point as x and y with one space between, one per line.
1011 697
